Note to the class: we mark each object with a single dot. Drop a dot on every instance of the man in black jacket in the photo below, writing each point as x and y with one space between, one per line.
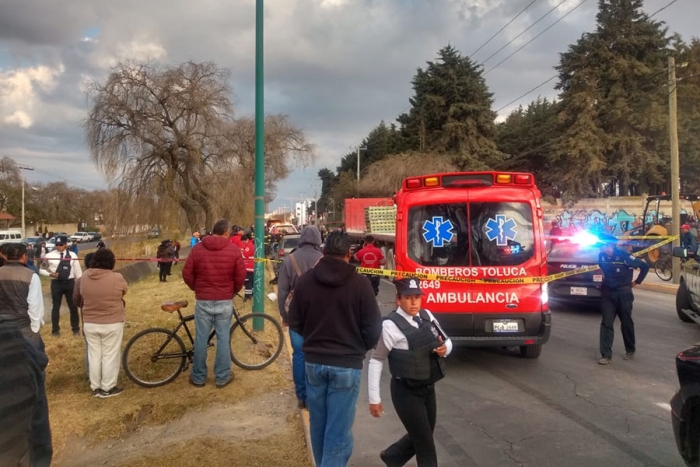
335 311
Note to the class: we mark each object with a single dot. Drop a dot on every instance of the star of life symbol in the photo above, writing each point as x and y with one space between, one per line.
437 231
501 230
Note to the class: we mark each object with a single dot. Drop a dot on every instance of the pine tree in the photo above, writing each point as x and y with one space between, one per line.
613 104
451 112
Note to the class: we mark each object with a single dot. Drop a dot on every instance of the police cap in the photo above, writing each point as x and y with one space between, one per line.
408 287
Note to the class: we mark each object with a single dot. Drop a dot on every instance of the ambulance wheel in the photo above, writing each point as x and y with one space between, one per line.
530 351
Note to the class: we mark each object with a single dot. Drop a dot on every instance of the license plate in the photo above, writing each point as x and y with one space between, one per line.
579 291
505 326
598 278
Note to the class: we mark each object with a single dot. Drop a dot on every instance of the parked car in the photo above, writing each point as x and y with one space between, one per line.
35 242
279 228
287 244
685 406
94 236
688 293
51 244
581 288
10 236
80 237
153 233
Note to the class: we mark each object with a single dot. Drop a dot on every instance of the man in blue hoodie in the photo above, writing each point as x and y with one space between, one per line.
335 310
301 260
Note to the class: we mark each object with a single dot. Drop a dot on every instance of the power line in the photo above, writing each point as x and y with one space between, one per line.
536 37
528 92
526 30
501 30
663 8
595 119
550 79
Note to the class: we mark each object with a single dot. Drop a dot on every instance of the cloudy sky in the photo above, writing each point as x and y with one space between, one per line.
336 67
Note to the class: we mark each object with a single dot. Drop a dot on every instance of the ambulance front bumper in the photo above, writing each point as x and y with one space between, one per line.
496 329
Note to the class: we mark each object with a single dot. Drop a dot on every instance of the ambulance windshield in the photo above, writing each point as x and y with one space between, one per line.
475 234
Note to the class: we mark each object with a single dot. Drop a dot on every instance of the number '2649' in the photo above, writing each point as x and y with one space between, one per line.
429 284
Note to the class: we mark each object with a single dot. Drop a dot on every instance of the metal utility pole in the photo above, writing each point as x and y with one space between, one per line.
22 167
258 292
675 170
358 163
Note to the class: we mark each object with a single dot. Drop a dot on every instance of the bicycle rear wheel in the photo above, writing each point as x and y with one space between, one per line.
154 357
664 269
254 350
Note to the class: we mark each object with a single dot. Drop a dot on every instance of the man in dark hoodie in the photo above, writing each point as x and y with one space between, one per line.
304 258
335 311
215 271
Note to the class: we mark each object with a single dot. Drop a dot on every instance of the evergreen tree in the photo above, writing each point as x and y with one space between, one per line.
524 139
613 104
689 115
451 112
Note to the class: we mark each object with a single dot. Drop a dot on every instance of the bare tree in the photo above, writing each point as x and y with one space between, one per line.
10 180
171 131
159 130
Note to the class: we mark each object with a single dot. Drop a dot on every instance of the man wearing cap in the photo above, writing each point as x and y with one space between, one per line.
688 240
415 346
63 267
618 271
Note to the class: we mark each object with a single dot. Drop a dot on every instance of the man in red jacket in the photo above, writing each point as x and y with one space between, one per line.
248 250
371 257
215 271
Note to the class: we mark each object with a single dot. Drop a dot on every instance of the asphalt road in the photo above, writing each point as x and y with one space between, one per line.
563 409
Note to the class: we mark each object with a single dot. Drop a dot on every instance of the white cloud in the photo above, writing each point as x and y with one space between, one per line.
135 50
19 93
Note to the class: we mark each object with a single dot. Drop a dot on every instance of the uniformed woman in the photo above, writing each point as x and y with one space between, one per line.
618 270
415 346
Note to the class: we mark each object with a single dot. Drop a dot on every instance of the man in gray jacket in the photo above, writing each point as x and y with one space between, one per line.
304 258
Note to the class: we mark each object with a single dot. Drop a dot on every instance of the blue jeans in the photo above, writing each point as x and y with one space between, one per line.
208 314
331 396
298 370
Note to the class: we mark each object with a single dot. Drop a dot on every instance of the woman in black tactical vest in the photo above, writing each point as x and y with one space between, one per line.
415 346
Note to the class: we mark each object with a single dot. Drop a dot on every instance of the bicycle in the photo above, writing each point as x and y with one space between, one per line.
156 356
663 267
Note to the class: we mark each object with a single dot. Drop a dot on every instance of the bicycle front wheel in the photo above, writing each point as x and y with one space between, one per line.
154 357
252 349
663 269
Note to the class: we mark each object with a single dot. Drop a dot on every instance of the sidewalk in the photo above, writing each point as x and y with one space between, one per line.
654 284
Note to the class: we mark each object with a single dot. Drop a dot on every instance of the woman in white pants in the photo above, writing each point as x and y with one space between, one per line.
100 293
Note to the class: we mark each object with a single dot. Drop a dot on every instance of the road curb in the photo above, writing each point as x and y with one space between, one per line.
663 288
304 414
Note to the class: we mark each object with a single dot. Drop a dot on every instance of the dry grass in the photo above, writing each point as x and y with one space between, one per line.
79 419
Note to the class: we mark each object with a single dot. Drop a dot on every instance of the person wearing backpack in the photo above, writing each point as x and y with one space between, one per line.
304 258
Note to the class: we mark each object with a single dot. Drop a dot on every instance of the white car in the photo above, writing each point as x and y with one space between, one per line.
80 237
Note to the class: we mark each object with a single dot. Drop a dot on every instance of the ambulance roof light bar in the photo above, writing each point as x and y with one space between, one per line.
467 180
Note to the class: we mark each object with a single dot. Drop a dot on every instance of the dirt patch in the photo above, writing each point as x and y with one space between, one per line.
209 435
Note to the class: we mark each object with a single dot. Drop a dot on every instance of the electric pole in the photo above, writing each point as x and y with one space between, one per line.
675 170
258 283
22 167
358 168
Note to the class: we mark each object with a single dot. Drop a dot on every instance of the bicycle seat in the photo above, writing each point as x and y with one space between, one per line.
174 306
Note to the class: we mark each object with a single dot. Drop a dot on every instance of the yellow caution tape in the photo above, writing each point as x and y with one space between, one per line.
515 280
267 260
